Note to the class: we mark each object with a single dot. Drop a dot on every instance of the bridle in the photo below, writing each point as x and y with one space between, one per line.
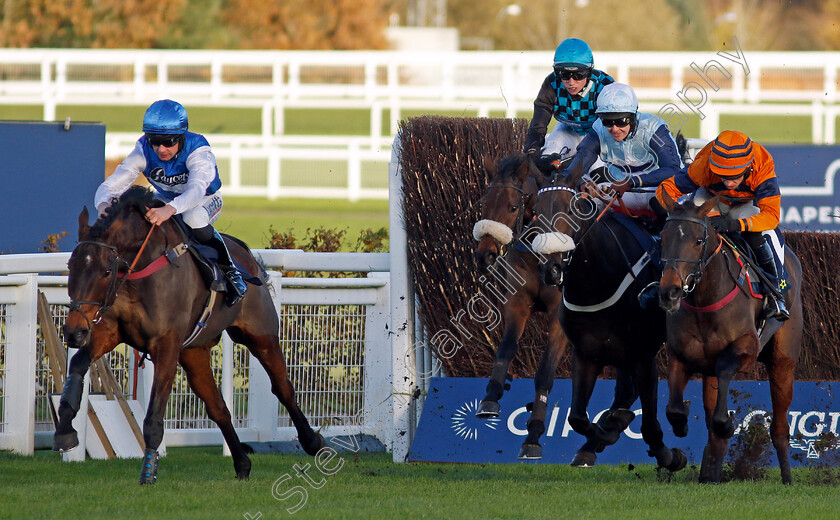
115 281
690 282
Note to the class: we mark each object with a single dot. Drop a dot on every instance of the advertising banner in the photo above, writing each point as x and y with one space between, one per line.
808 176
449 431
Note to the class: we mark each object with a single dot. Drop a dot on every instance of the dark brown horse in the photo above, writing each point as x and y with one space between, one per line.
601 265
507 207
156 314
711 329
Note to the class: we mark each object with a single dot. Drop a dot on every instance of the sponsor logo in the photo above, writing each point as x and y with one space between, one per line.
466 425
158 175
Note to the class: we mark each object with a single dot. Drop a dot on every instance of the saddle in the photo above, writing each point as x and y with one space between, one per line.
757 286
207 261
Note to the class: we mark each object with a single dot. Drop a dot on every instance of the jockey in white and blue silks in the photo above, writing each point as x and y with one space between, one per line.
570 95
182 168
637 147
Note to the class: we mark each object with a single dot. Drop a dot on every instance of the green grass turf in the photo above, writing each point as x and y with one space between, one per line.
198 483
249 218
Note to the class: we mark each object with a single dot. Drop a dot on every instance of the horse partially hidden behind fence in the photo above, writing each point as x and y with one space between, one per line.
601 264
155 312
711 329
506 207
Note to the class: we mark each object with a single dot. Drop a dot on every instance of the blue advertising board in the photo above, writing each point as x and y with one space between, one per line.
449 431
810 186
49 172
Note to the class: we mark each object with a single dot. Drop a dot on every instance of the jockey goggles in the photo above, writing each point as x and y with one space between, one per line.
619 121
167 140
577 75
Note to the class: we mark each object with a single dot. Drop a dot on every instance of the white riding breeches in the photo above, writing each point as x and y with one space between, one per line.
564 141
206 213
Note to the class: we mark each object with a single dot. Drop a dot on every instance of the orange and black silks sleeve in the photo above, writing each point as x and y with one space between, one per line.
761 187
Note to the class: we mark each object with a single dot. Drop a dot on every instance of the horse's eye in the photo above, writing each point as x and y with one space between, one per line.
698 242
106 274
513 208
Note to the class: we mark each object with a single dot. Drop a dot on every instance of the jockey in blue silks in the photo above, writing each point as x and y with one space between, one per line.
637 147
182 169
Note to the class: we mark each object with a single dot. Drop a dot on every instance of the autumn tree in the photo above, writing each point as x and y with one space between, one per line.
315 24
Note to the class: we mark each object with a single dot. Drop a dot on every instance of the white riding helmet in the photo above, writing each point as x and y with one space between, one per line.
617 98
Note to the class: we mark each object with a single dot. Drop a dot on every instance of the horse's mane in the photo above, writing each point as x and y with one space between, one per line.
510 163
137 198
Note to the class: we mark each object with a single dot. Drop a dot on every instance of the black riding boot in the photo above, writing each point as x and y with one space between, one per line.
776 306
229 268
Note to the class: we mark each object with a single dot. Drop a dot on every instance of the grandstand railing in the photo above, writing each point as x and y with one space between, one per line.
334 333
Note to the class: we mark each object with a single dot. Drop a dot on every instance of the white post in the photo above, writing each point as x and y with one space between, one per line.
377 385
402 354
354 172
19 388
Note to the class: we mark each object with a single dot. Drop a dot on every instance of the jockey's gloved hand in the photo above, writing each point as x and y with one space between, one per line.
620 188
533 153
723 223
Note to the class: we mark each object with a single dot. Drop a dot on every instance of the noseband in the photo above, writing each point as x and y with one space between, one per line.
689 283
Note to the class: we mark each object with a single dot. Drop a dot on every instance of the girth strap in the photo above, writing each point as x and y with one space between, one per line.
202 320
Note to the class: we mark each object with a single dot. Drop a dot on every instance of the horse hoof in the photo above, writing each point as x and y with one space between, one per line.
530 452
678 460
314 446
488 410
583 459
243 469
65 441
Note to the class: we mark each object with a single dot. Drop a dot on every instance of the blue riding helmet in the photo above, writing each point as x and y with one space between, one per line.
572 54
165 117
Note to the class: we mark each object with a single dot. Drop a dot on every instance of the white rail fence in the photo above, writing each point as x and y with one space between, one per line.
335 335
391 85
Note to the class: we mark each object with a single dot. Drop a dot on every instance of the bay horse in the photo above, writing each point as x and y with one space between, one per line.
711 329
601 263
507 206
156 314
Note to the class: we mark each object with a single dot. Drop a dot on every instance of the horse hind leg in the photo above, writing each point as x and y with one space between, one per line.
267 350
196 363
781 376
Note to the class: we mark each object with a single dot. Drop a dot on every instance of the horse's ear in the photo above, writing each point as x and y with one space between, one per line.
491 172
84 227
709 205
524 170
669 202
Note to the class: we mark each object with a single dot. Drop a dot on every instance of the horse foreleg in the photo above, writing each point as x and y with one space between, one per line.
723 424
612 422
517 313
196 363
677 409
66 438
543 383
711 468
584 375
165 360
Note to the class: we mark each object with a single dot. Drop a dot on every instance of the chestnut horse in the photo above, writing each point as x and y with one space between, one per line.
507 207
156 314
601 264
711 329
